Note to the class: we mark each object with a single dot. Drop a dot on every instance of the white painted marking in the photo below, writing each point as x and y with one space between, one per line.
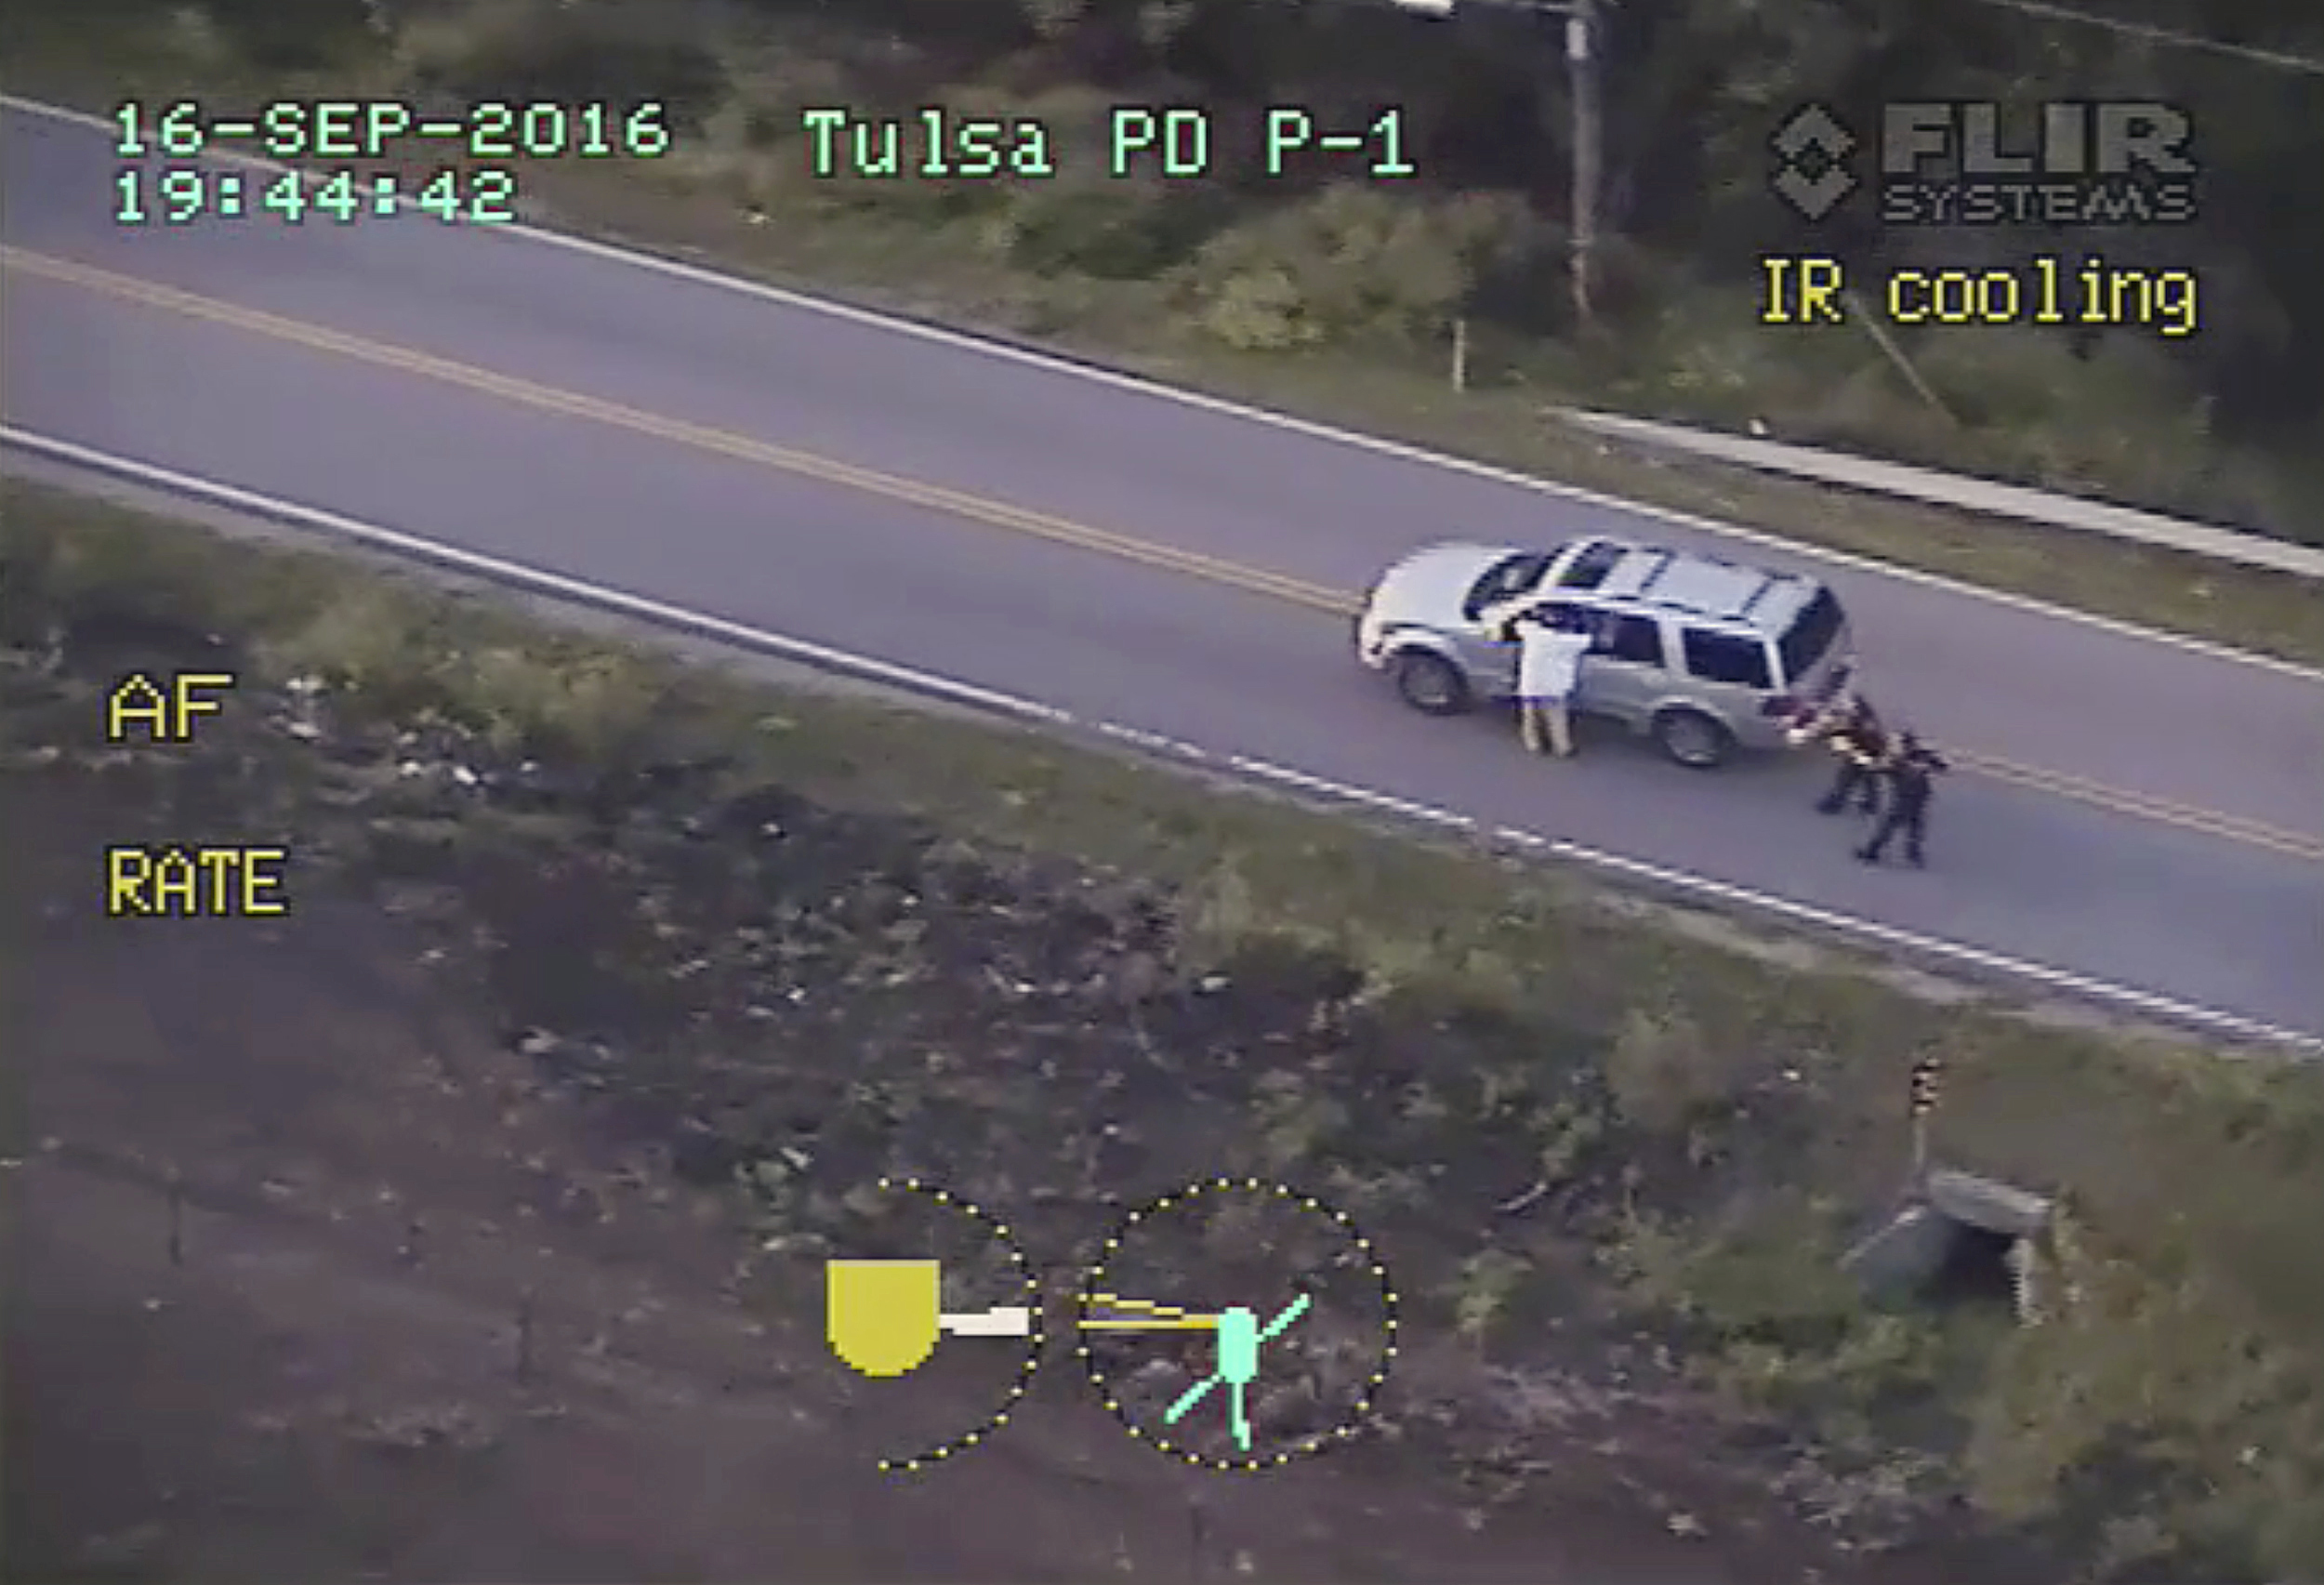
1050 363
579 591
1153 741
538 580
1266 771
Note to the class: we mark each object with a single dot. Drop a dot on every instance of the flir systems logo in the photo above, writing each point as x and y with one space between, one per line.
1973 163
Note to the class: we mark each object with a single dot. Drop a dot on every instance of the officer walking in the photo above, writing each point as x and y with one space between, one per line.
1910 770
1852 729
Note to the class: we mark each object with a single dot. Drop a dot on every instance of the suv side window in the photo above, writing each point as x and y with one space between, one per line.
1725 657
1634 639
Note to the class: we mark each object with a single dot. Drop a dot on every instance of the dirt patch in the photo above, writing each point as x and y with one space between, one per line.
429 1308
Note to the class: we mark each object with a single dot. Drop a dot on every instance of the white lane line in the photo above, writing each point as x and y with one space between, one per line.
536 579
929 684
1050 363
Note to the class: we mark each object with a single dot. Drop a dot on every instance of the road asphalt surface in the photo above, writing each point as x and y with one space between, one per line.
2142 812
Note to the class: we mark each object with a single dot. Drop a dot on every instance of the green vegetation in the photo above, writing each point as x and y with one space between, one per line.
1595 1144
1339 299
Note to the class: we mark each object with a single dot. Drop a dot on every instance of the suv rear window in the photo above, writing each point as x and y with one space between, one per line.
1724 657
1811 635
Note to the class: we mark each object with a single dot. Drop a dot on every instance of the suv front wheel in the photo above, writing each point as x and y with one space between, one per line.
1693 739
1431 684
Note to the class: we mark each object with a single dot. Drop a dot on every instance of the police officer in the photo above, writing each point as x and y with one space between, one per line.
1852 729
1910 769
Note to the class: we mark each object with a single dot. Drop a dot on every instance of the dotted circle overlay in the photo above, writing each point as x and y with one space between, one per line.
1033 1345
1313 1442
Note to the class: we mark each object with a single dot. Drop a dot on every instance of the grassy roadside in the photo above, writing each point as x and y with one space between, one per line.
1701 1128
749 206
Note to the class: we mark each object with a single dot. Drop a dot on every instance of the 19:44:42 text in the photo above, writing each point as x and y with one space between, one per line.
181 195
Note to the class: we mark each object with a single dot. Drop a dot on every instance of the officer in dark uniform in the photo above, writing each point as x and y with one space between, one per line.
1852 729
1910 770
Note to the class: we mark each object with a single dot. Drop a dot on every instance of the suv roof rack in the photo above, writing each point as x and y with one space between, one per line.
1701 585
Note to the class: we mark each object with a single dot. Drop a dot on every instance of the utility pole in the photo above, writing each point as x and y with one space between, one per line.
1581 66
1585 91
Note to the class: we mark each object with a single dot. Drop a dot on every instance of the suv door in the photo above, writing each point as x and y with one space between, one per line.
1489 659
1626 670
1493 660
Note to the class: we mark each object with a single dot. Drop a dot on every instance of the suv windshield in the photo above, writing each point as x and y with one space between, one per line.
1507 579
1812 634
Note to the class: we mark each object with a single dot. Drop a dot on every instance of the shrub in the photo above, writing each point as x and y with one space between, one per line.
2129 419
1353 263
563 50
275 37
1705 350
1664 1072
2159 1365
1058 229
1093 225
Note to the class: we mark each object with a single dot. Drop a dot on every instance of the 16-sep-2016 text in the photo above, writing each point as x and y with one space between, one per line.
367 129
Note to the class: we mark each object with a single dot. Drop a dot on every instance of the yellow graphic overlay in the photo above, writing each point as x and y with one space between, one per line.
883 1318
881 1314
1105 1312
1144 1317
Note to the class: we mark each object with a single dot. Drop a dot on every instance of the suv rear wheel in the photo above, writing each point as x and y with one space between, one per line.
1431 684
1693 739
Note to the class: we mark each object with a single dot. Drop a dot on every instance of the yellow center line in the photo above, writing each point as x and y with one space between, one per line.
974 509
700 437
2234 827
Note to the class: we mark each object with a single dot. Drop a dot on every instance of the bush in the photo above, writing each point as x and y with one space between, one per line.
565 50
1705 350
274 37
2159 1365
748 146
1109 230
1353 264
1664 1072
2121 420
1054 230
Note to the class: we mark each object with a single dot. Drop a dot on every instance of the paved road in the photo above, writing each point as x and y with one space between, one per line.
1086 545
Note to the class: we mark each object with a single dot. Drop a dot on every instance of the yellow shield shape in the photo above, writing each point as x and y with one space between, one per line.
882 1315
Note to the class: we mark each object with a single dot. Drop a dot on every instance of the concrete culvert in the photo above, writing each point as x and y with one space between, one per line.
1957 1238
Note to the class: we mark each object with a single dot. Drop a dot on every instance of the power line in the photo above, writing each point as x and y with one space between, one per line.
2282 61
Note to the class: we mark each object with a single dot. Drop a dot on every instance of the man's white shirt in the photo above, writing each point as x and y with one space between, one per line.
1548 662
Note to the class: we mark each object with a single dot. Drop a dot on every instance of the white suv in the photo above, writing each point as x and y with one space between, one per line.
1701 654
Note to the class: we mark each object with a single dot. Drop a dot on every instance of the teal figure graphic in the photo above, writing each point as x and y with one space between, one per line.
1239 1339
